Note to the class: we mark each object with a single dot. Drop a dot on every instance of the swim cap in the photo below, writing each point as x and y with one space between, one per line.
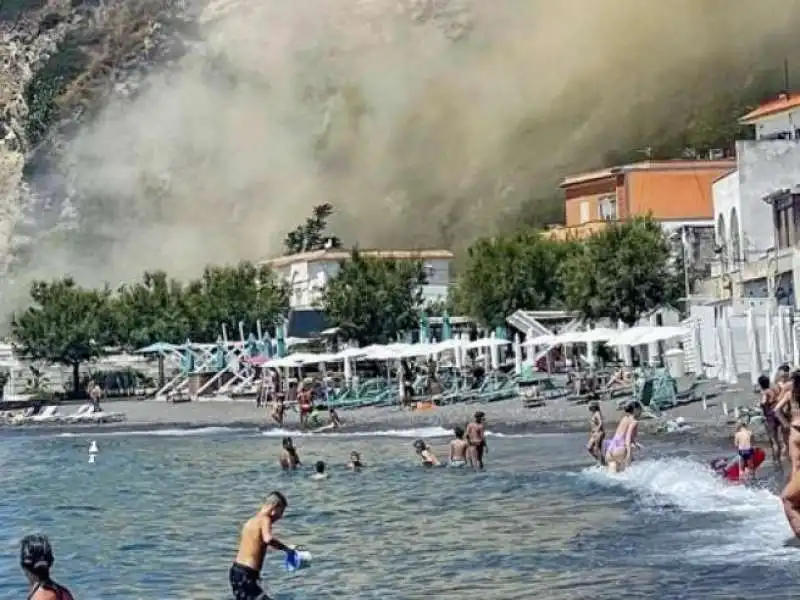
35 553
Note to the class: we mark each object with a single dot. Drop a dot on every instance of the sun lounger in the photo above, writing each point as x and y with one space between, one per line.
81 412
48 415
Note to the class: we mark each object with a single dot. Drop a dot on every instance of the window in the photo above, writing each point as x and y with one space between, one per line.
585 211
786 213
608 208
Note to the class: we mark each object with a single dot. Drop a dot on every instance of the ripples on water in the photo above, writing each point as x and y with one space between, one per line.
157 517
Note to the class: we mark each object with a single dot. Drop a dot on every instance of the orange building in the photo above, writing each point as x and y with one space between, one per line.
677 191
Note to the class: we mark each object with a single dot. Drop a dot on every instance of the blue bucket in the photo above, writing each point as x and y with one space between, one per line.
296 560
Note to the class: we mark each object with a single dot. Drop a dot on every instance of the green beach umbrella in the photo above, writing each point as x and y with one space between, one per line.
251 346
220 356
447 328
424 331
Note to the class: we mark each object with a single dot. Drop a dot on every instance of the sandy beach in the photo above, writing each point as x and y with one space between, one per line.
507 416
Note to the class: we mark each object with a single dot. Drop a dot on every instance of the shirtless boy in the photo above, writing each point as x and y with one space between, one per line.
257 537
476 439
743 440
458 449
597 433
619 449
319 469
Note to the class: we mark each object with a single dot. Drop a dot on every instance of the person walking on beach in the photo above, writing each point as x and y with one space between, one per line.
256 539
95 394
36 559
619 449
597 433
476 439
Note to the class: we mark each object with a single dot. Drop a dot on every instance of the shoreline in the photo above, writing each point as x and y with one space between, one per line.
507 417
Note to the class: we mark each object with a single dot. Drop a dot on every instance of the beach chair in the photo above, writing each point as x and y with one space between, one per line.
48 415
82 411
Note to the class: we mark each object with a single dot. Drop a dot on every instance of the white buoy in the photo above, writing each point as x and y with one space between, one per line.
93 451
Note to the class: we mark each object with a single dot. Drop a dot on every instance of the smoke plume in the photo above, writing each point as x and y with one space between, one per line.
425 123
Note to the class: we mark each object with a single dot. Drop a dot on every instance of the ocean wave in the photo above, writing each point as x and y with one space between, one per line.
414 432
757 528
173 432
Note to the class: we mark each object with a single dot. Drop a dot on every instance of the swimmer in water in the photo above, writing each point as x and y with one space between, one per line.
289 459
791 493
257 537
476 438
319 469
458 449
36 559
619 449
597 433
771 423
424 452
355 463
743 440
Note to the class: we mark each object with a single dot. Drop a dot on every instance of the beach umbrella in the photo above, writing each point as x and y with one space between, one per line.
720 356
447 329
652 348
280 342
494 353
251 346
699 370
424 327
187 360
517 355
780 322
768 342
625 349
755 351
731 374
528 350
220 358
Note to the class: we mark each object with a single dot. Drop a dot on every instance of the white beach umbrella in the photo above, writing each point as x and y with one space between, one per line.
528 348
348 369
517 355
772 359
697 342
652 345
755 350
494 353
719 357
780 321
624 349
731 372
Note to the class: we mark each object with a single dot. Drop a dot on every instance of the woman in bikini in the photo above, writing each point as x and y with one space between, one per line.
619 449
791 493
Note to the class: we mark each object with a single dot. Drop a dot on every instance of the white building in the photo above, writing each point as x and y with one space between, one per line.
308 273
745 229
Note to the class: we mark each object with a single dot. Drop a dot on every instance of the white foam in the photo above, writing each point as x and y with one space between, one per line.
417 432
161 432
758 527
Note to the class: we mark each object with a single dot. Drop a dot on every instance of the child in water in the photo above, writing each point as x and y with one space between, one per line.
319 467
597 433
424 452
458 449
743 440
355 463
289 459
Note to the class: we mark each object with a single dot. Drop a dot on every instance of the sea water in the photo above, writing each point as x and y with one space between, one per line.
158 517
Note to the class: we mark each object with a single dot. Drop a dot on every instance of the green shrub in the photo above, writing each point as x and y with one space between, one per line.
11 10
66 63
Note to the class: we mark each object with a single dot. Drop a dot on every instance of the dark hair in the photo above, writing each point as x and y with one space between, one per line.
419 445
320 466
287 443
785 368
277 499
632 407
479 415
36 556
458 432
594 407
763 382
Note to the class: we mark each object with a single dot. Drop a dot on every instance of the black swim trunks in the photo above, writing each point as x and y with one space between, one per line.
245 583
745 454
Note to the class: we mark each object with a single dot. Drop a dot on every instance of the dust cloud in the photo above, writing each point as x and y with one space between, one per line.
425 124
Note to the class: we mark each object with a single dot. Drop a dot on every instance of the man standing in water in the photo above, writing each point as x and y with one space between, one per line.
257 537
476 438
